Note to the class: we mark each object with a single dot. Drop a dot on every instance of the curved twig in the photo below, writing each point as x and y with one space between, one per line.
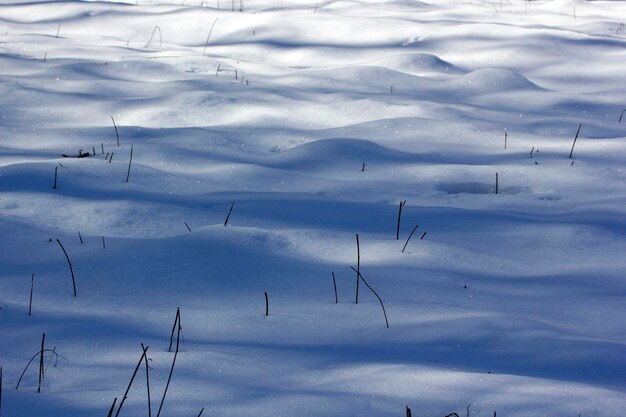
152 36
206 44
19 381
70 265
407 241
377 296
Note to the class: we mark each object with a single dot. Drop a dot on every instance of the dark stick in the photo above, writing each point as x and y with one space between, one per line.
80 237
408 411
201 411
423 235
531 151
398 225
574 144
335 285
188 228
505 136
363 169
496 183
41 368
55 178
93 148
267 305
131 381
176 321
407 241
620 116
30 303
111 157
25 369
102 147
70 264
206 44
112 408
145 357
130 162
104 246
358 267
169 378
379 299
117 134
229 211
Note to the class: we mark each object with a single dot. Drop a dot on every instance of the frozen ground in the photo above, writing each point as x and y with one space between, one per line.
512 302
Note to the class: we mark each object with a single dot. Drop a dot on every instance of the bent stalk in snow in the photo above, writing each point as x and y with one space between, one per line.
377 296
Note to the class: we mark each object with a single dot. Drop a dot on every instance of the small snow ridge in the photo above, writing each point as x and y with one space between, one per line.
331 152
478 188
495 80
419 64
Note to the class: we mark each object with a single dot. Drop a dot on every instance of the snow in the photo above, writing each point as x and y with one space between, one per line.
316 119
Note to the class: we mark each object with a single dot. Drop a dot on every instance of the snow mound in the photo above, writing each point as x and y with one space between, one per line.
329 153
419 64
493 80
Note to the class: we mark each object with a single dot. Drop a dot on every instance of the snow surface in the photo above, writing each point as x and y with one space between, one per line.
512 302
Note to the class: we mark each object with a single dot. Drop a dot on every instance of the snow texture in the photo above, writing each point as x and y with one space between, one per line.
317 119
